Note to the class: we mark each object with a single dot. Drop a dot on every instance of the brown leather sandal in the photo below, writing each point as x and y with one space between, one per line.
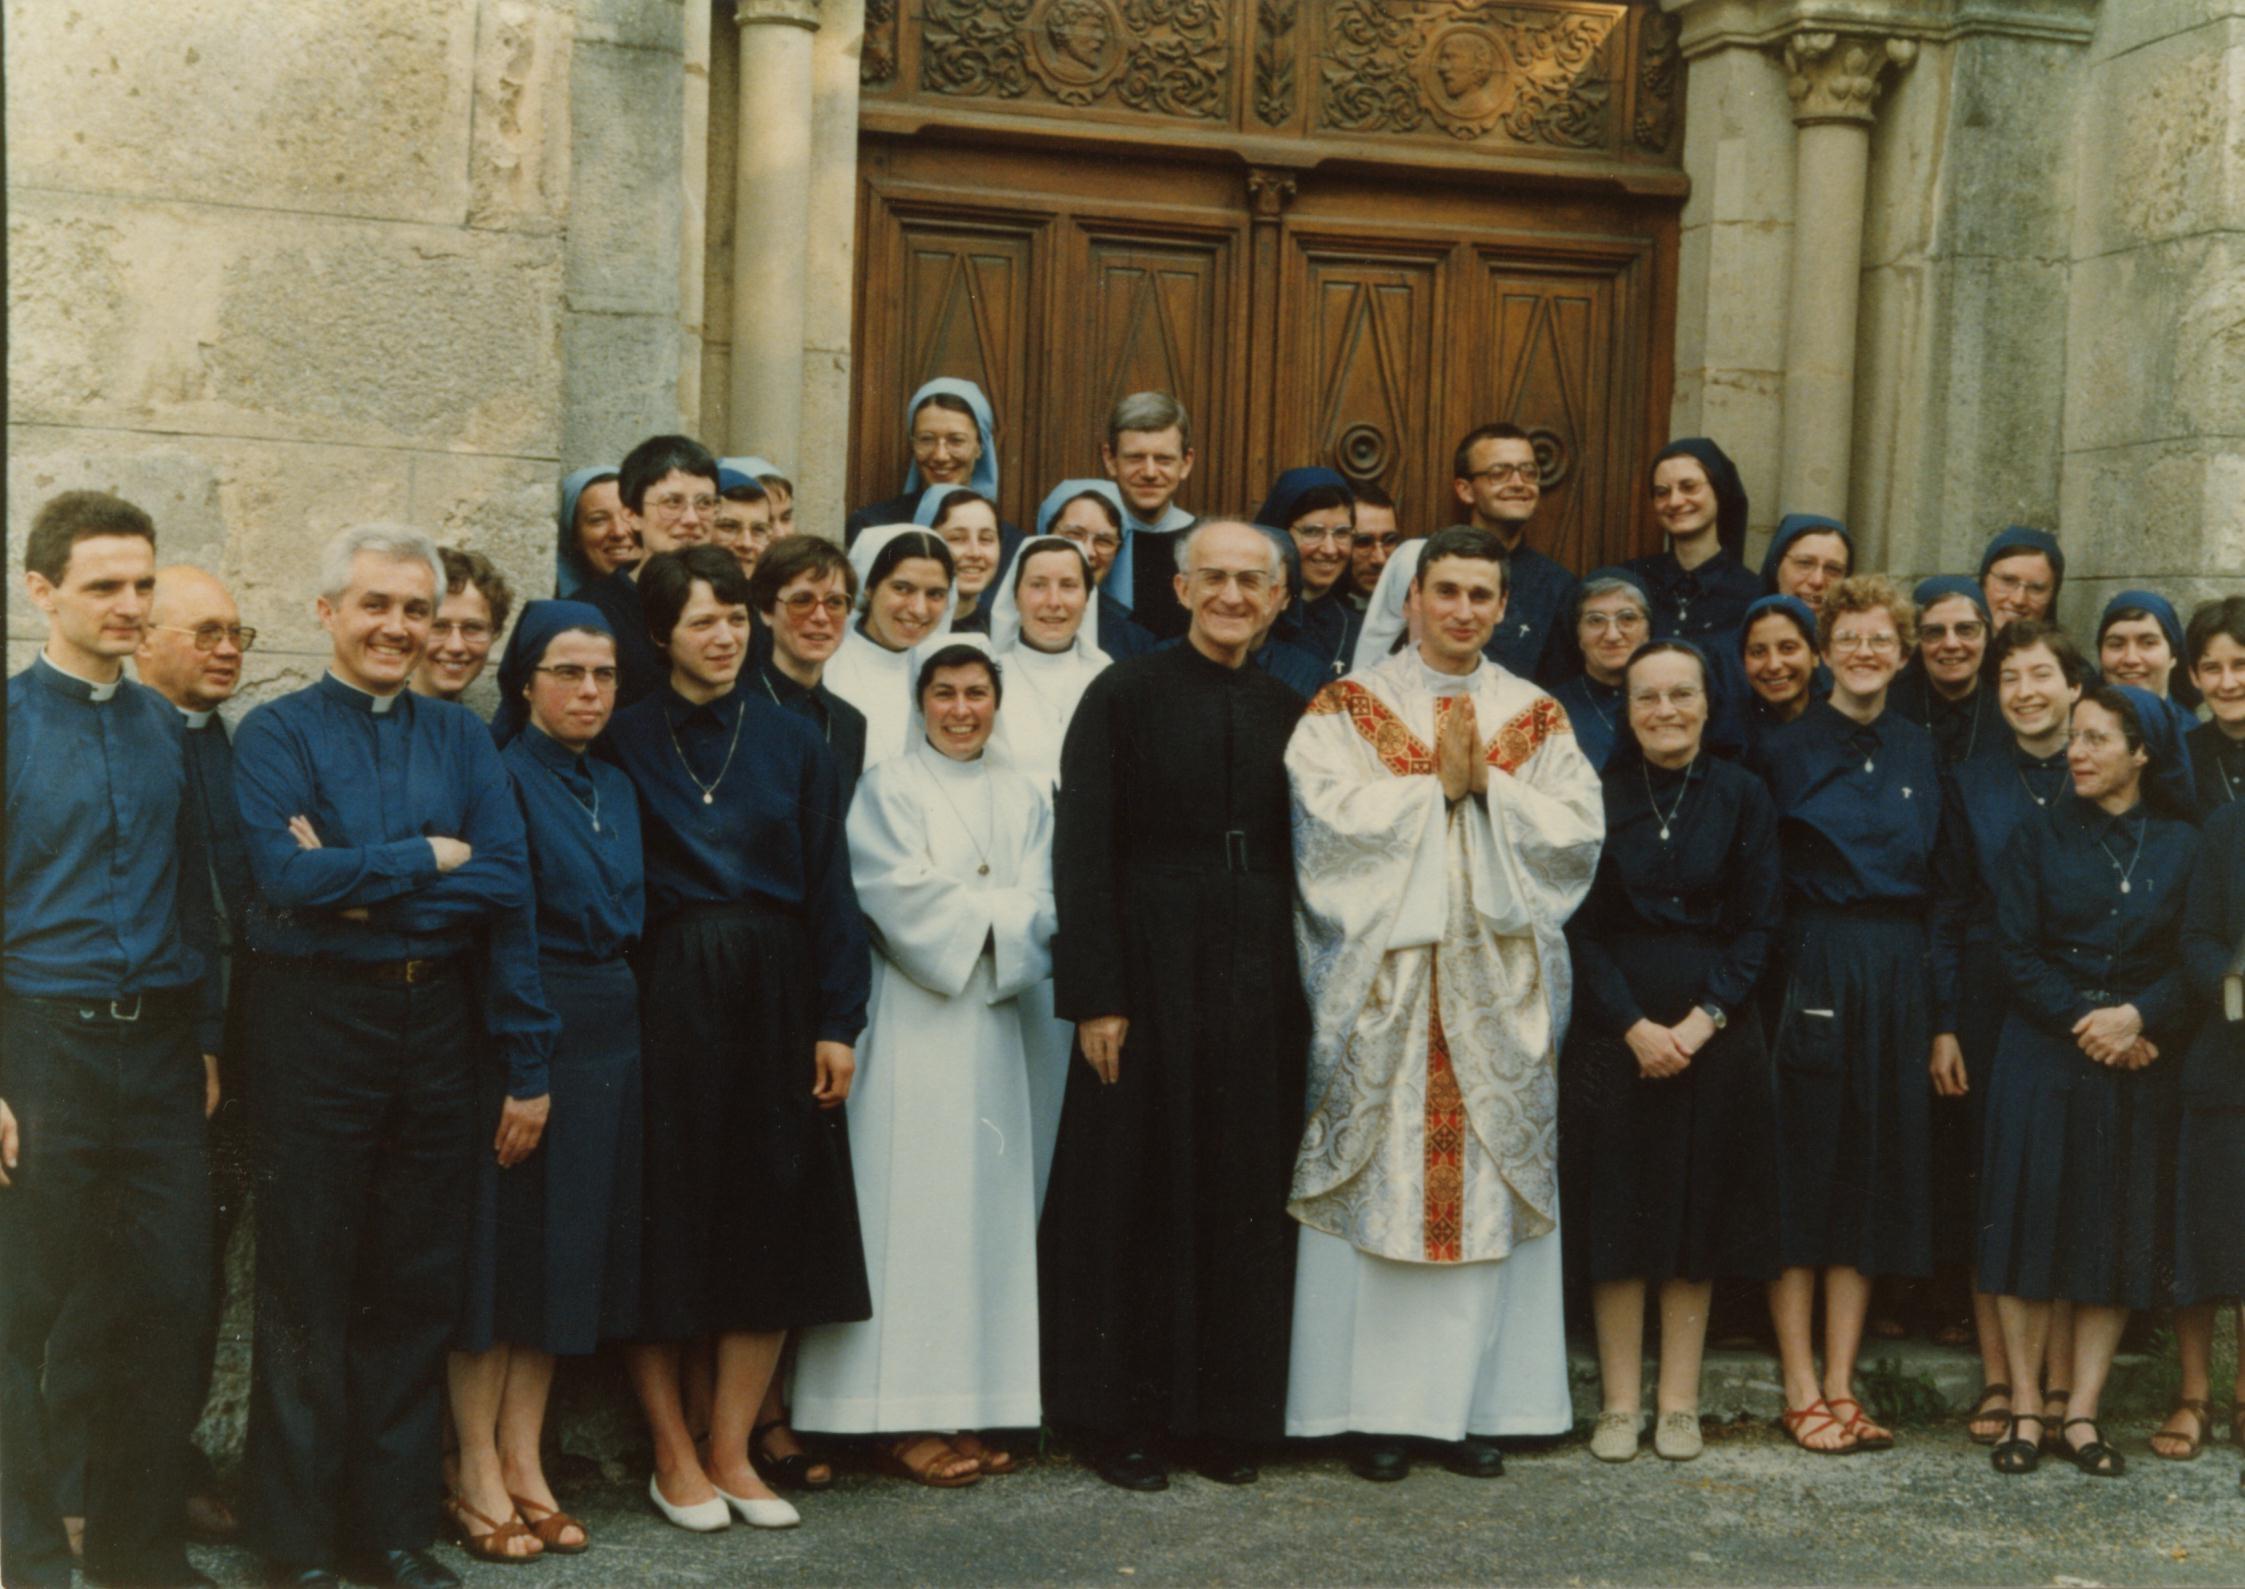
2202 1416
1878 1437
938 1469
1796 1429
548 1524
491 1544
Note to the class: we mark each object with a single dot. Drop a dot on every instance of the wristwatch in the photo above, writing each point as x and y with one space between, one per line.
1715 1013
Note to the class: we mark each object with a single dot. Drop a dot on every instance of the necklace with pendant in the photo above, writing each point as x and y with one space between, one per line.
2129 870
826 725
592 810
1682 789
709 790
981 850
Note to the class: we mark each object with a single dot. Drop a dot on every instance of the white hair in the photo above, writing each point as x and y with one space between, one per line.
1188 542
398 543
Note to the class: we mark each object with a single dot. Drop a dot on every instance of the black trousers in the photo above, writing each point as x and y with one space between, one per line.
111 1199
362 1136
73 1375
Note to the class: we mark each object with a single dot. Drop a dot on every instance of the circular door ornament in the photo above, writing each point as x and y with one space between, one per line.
1362 452
1555 460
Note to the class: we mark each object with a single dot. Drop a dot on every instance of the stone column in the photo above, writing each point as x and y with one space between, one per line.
1833 79
820 468
772 185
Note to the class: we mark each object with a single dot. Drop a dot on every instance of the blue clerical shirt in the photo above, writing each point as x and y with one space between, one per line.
99 836
378 777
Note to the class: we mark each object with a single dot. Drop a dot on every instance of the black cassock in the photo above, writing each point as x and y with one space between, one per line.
1166 1254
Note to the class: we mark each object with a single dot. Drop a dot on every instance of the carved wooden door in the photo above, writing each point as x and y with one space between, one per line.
1303 318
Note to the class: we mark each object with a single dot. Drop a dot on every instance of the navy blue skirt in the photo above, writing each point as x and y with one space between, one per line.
2077 1188
751 1209
2210 1206
553 1250
1854 1106
1960 1124
1672 1179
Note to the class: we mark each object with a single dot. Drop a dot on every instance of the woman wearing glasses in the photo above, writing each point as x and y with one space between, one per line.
1870 831
1666 1087
468 623
1613 617
2082 1107
953 434
1316 508
554 1254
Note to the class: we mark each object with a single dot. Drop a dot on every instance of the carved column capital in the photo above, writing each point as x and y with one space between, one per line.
1833 76
1269 192
789 13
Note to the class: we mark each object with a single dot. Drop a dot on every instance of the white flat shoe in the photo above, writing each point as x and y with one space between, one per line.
1614 1437
760 1514
703 1517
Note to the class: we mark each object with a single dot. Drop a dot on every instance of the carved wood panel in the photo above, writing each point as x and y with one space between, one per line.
1156 57
1549 360
1157 318
1365 360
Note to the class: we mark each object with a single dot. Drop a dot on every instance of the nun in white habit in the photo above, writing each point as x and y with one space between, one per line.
951 851
1388 621
1044 627
907 592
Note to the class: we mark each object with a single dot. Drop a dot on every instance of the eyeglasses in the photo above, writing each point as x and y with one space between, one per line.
803 603
472 631
2013 585
574 674
672 504
1214 581
1102 541
1810 563
1386 543
207 635
1323 534
1879 645
2094 738
1597 622
927 442
1969 630
1681 695
1499 473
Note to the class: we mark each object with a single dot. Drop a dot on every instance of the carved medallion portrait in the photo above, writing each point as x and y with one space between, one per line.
1073 46
1463 75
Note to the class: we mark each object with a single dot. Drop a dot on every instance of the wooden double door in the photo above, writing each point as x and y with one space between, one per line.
1359 320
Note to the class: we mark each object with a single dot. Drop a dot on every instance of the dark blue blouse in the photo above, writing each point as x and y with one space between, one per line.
583 825
641 666
1961 730
1997 794
2072 941
2213 923
1717 873
1867 816
100 836
1326 629
839 723
2217 763
1594 712
376 785
1704 605
772 834
1535 638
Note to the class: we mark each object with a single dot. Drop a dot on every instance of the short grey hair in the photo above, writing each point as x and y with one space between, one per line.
1592 589
1188 542
1150 411
399 543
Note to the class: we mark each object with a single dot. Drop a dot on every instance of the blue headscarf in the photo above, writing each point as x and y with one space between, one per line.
1722 474
1803 616
1790 529
1940 587
1624 575
984 477
2162 612
1067 491
1289 488
2168 785
526 648
754 465
2016 540
931 504
569 571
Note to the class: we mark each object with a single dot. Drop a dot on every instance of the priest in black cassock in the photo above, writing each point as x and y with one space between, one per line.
1166 1255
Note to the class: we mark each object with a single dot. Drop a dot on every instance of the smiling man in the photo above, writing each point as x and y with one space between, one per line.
1149 456
1499 483
1446 826
383 837
1166 1263
106 1033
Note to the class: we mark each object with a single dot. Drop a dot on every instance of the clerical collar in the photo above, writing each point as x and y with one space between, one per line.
344 689
194 720
1173 518
1441 683
76 685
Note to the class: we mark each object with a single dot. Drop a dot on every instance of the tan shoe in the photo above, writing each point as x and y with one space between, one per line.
1676 1436
1614 1437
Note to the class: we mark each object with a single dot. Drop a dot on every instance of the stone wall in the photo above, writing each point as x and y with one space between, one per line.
278 266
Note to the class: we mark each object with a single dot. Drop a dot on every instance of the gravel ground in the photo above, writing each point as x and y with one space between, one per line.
1750 1511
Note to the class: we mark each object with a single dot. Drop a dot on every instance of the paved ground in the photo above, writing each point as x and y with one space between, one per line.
1750 1511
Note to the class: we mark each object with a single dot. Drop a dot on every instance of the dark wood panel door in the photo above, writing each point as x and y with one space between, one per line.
1353 322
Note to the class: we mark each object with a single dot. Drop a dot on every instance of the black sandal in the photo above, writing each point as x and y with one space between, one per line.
2018 1455
1980 1414
2053 1444
2093 1456
791 1472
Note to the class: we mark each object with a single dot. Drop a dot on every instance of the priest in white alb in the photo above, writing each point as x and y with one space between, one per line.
1445 827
